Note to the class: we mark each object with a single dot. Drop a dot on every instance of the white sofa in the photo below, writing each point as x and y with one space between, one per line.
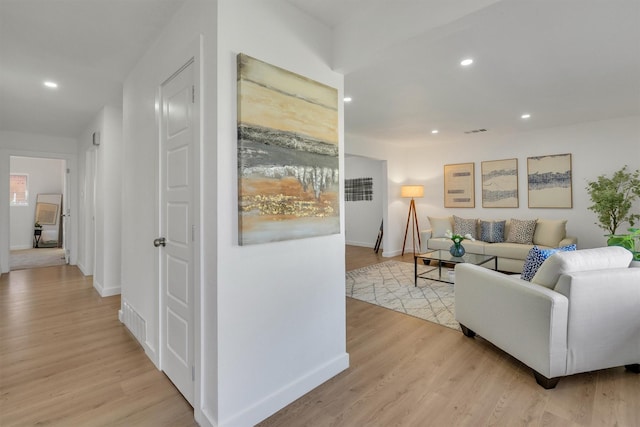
579 313
511 256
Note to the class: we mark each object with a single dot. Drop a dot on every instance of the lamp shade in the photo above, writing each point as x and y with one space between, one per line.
411 191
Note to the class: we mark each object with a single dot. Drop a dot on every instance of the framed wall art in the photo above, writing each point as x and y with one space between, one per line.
288 181
549 181
459 185
500 183
357 189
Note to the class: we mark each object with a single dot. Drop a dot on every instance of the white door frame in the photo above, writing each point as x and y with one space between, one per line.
192 55
72 165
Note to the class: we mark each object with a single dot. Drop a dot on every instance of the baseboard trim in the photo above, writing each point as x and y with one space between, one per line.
361 244
288 393
20 247
106 292
389 254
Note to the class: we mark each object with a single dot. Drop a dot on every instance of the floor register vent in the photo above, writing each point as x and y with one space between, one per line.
134 322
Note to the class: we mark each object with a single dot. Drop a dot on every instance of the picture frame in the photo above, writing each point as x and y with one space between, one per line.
46 213
500 183
459 185
287 154
549 181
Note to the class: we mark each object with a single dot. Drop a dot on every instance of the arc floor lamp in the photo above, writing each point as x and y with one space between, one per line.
412 191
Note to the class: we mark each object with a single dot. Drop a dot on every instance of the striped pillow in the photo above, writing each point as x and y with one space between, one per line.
492 231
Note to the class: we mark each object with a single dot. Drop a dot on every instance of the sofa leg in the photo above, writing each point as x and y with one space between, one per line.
544 382
635 368
467 332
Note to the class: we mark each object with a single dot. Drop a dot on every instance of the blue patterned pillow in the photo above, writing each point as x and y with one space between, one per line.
536 257
492 231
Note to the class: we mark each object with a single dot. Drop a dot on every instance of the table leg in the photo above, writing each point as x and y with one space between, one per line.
415 271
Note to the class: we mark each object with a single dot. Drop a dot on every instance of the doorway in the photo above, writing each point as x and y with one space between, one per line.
38 211
179 222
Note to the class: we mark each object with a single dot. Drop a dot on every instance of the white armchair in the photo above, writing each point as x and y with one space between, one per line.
579 313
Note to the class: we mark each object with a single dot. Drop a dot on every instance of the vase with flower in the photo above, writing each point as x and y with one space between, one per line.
457 249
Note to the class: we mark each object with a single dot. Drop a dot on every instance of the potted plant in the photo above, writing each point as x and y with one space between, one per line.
613 199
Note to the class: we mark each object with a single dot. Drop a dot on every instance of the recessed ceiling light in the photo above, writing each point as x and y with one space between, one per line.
525 116
434 131
466 62
347 99
51 84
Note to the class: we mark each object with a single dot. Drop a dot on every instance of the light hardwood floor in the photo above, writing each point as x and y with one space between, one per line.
409 372
65 360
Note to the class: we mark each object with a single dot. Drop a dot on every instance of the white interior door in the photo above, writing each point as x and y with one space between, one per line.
177 183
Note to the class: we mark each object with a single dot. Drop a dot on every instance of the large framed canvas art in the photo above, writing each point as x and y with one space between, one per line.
549 181
459 186
500 183
288 181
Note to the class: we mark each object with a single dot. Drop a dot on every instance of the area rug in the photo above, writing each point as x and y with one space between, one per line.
390 285
35 258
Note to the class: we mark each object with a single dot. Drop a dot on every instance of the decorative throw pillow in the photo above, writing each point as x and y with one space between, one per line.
440 225
463 226
521 231
549 232
536 257
492 231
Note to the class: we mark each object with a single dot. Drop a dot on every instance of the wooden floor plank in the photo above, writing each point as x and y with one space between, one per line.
409 372
66 360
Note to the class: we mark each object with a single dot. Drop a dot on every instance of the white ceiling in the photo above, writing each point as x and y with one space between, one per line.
562 61
86 46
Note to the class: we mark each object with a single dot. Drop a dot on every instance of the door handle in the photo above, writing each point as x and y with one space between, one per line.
160 242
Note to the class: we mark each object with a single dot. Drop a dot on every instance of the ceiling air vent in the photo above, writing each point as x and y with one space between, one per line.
475 131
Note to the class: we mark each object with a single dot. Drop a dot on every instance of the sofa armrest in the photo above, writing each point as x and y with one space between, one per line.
424 236
526 320
604 318
569 240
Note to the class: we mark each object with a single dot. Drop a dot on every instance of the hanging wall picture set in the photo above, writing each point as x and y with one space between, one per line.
288 181
549 181
459 186
500 183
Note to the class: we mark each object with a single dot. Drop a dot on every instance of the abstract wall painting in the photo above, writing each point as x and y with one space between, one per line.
549 181
500 183
288 180
459 186
357 189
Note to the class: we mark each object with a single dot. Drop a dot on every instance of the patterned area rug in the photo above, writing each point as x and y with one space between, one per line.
390 285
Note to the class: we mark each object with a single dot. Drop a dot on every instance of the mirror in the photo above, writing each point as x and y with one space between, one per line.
48 216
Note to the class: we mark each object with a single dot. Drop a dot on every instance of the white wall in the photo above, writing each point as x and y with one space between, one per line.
596 147
46 176
35 145
105 264
363 217
270 318
192 32
281 305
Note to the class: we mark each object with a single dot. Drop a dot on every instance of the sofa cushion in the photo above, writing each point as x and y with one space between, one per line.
583 260
549 232
464 226
521 231
536 257
440 225
492 231
507 250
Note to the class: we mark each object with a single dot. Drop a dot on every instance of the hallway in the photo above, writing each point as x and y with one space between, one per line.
65 358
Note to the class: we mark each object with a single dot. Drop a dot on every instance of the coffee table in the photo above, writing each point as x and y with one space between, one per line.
444 257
